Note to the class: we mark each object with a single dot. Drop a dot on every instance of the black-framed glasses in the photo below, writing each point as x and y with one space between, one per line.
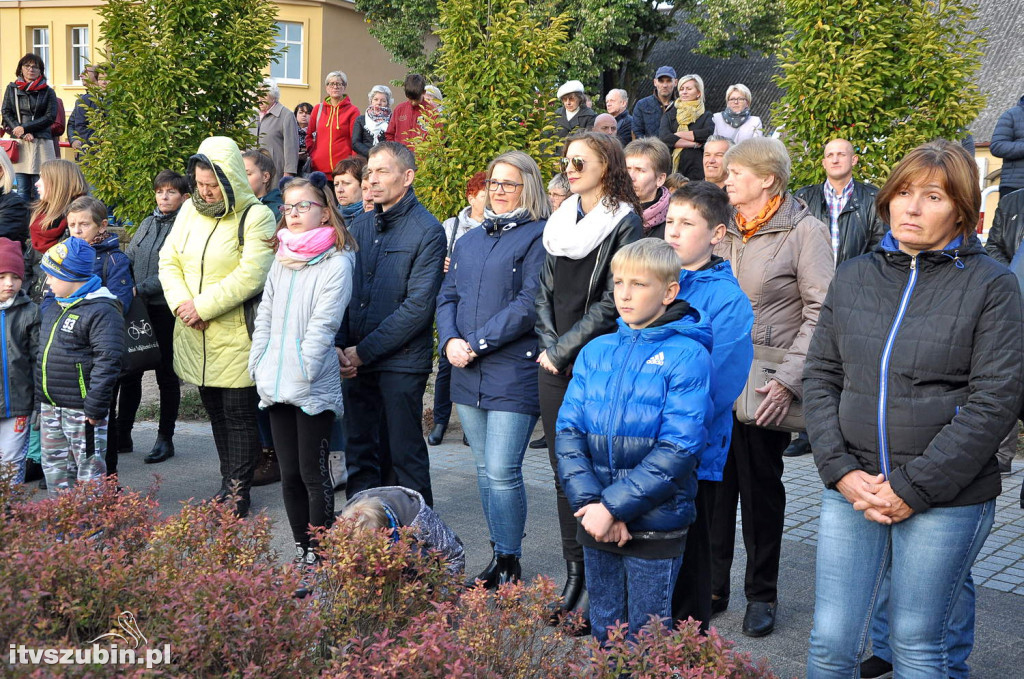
301 207
577 163
505 187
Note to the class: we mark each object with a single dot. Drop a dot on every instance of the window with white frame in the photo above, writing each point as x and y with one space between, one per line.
40 39
79 52
287 65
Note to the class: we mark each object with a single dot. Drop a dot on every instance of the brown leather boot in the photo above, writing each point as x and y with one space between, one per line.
267 470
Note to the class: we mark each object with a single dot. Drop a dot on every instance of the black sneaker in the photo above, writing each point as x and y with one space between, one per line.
875 668
539 443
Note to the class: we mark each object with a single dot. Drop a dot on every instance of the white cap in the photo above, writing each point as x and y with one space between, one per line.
569 88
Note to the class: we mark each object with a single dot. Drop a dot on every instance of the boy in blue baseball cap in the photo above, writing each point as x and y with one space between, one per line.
81 345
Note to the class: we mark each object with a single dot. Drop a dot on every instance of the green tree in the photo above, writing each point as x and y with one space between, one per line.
738 28
886 78
499 67
177 72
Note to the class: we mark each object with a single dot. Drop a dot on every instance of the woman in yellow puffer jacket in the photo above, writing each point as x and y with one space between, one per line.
209 267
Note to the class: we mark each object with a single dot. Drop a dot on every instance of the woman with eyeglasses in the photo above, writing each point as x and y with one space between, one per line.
575 302
329 135
29 111
735 122
485 328
685 127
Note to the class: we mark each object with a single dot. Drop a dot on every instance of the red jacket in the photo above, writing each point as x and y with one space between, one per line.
331 127
408 122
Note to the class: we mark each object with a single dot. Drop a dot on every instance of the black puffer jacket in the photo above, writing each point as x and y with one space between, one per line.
953 378
599 318
144 253
13 217
1008 144
860 227
398 273
19 342
581 122
38 110
80 350
1007 228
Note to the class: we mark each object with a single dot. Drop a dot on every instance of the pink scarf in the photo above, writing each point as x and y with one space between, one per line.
297 249
655 214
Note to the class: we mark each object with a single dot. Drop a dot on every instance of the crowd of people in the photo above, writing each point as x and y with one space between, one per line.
671 333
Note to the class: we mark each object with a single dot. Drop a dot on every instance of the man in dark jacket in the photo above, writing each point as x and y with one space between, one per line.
1008 144
1007 229
385 345
648 111
617 103
79 129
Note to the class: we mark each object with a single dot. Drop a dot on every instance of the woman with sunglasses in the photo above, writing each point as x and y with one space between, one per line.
575 302
485 328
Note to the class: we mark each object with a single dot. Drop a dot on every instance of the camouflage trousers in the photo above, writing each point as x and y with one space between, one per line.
71 448
14 435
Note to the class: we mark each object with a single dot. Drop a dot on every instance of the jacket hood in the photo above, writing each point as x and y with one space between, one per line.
971 247
688 323
1021 102
343 104
717 271
20 299
108 244
222 154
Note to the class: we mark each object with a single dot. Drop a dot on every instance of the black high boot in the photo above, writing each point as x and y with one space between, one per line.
509 569
489 575
575 587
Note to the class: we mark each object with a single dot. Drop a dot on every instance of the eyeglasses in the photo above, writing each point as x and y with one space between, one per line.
733 100
301 208
577 163
506 187
335 84
556 194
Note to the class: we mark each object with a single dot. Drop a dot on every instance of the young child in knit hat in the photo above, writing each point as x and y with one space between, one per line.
82 343
19 335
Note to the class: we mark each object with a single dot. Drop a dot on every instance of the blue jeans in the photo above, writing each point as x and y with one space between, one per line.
928 557
961 629
27 186
616 583
498 439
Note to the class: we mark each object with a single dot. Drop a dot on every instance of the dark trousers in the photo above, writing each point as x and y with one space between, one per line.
113 441
170 386
233 420
302 445
442 391
551 390
397 398
753 475
692 594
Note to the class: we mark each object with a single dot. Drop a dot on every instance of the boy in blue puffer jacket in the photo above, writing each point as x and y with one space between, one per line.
695 223
630 435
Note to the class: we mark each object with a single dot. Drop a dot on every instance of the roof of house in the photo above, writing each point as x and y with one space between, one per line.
1002 68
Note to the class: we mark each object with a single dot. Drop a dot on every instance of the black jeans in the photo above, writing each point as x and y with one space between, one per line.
384 420
442 391
170 386
692 594
752 475
233 420
551 390
113 441
302 445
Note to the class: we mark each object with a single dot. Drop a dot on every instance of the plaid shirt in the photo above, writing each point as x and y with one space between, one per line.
836 202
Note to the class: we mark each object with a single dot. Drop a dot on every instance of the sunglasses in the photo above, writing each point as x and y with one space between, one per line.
577 163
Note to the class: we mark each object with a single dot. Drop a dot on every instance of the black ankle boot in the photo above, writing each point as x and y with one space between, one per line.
575 586
489 575
163 450
509 569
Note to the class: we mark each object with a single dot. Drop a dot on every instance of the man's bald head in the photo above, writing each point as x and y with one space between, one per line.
605 122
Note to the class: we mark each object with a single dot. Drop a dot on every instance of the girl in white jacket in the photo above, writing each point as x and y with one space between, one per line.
293 360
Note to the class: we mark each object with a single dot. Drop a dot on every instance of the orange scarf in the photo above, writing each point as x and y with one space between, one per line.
749 228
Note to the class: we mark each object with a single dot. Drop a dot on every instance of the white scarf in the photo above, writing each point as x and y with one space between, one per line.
565 237
570 115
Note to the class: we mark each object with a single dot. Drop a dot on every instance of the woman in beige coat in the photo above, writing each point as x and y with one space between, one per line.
782 257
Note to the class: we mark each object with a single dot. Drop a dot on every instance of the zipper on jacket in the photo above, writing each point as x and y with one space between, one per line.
615 402
593 276
49 342
81 379
284 327
3 350
202 274
883 377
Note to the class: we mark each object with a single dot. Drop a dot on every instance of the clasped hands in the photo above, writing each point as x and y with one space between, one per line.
459 353
601 525
873 496
186 311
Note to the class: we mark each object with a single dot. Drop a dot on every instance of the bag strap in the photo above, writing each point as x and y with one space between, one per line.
241 227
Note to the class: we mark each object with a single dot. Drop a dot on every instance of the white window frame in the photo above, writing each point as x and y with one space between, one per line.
293 51
40 40
78 41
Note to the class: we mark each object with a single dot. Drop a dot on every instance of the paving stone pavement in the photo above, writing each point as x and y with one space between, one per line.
999 571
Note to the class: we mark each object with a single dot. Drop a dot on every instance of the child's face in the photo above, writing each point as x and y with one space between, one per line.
640 298
257 180
302 117
347 189
81 225
315 216
169 200
9 285
61 288
690 235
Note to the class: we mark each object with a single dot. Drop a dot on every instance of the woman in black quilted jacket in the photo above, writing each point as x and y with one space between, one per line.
913 377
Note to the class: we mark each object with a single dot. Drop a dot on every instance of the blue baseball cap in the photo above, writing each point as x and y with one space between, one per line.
665 71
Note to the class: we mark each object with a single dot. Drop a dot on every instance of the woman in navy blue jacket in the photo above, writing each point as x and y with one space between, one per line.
485 326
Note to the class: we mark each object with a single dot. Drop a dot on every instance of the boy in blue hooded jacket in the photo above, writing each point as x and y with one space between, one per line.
694 225
630 435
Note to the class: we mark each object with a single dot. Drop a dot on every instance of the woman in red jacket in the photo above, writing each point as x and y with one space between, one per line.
329 135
